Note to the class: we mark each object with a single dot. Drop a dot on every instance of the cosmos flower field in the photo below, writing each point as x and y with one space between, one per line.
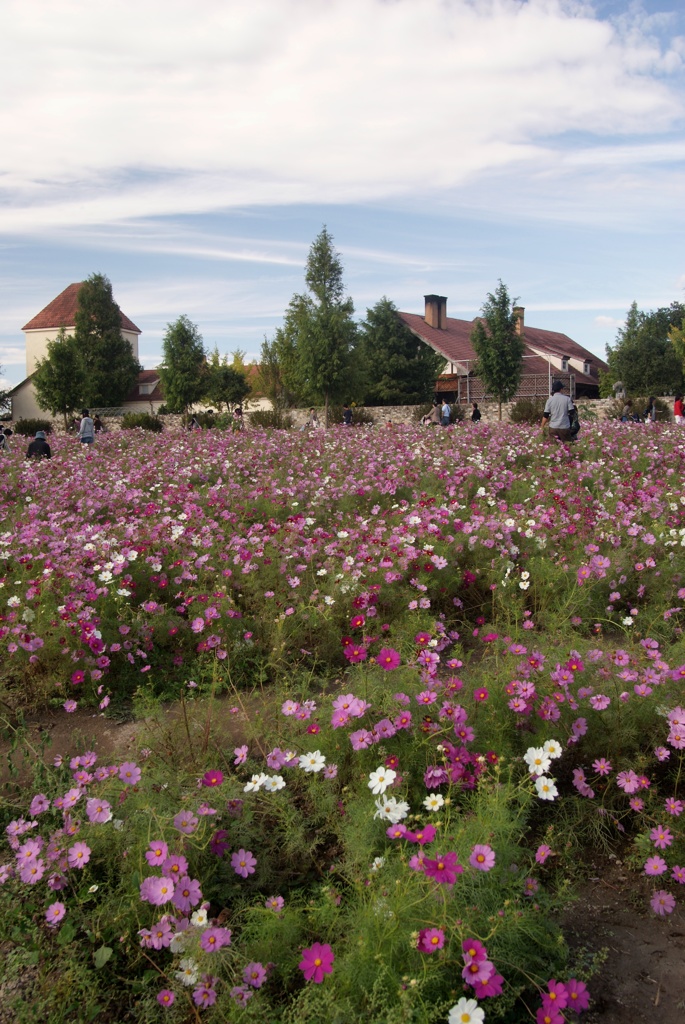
449 665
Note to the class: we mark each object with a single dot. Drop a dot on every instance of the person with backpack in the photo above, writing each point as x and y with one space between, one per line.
557 415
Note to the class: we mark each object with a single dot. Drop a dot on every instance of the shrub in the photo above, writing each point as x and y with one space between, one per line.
163 410
206 419
360 415
271 419
144 420
527 410
29 427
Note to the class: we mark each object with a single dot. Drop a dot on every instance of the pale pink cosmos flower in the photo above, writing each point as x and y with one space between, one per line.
130 773
482 857
655 866
243 863
55 913
78 855
98 811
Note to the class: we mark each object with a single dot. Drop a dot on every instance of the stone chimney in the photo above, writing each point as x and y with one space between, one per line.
436 311
519 312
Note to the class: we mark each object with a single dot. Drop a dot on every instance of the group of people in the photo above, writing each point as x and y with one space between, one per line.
87 428
441 414
629 415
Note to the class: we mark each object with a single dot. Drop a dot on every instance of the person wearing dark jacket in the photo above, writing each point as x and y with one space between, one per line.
39 447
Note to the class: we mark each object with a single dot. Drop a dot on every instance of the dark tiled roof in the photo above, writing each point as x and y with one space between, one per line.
61 312
454 343
146 377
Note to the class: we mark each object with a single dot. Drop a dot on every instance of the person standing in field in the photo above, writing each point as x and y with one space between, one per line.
86 430
475 415
678 409
557 413
445 413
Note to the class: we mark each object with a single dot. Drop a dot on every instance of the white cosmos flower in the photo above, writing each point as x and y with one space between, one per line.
391 810
538 760
378 863
381 779
552 748
188 972
255 783
273 784
199 918
433 802
545 788
312 762
466 1011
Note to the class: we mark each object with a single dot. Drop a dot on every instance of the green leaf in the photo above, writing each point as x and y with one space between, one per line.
65 934
102 955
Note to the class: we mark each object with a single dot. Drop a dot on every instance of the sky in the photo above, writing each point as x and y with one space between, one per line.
193 151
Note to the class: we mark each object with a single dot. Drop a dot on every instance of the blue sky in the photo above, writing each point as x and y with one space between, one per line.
192 152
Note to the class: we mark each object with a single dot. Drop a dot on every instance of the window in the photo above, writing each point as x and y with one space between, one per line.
586 367
564 362
146 389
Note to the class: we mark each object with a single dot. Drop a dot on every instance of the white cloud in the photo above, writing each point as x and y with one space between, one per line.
610 321
144 108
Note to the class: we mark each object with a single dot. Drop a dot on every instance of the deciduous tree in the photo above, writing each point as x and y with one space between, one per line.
59 378
183 371
644 356
225 384
498 346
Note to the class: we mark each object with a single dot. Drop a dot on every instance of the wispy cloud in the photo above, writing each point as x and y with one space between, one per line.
149 108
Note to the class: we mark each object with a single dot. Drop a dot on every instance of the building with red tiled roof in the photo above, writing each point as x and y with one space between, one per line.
61 312
548 356
45 327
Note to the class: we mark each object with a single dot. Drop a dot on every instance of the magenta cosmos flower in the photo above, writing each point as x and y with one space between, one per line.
165 997
655 866
430 940
187 893
388 659
443 869
482 857
243 863
316 961
186 822
254 974
213 778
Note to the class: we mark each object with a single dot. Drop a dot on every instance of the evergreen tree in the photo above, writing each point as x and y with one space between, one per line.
109 365
183 371
398 368
644 357
315 345
59 378
498 346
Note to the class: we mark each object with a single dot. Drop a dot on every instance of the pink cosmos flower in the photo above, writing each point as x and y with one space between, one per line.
422 836
39 804
661 837
548 1015
33 871
542 853
240 754
98 811
556 995
354 653
578 995
204 995
166 997
655 866
175 867
602 766
430 940
78 855
55 913
156 891
275 903
186 822
473 950
70 706
388 659
187 894
316 962
662 902
673 806
243 863
254 974
214 938
130 773
482 857
157 853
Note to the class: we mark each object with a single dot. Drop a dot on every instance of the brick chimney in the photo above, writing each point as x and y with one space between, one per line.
436 311
519 312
